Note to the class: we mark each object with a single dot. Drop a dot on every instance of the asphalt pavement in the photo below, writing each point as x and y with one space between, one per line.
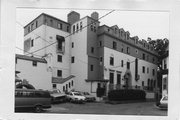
101 108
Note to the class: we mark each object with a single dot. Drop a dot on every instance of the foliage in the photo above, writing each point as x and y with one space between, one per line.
126 94
160 45
100 92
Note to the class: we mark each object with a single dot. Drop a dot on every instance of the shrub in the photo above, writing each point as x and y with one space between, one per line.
126 94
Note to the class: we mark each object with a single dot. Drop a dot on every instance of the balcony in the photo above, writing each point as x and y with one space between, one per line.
60 49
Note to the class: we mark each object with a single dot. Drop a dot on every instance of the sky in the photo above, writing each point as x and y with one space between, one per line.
144 24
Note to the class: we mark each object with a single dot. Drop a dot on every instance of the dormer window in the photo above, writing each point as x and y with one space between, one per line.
115 30
121 33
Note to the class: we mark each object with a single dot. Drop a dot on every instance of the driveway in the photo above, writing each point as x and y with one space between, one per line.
143 108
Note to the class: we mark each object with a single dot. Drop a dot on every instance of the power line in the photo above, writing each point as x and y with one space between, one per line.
28 52
32 32
71 33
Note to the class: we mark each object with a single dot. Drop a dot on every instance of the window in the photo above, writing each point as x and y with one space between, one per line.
59 58
143 69
144 56
118 79
67 28
32 25
77 27
115 30
80 26
142 83
144 44
32 42
69 84
122 63
74 28
72 44
127 37
29 29
94 28
121 33
60 43
60 26
92 49
64 88
111 78
128 50
114 45
34 63
92 68
128 65
101 59
147 70
108 30
54 86
100 43
122 48
72 59
111 61
36 24
59 73
153 59
72 83
91 26
153 72
51 22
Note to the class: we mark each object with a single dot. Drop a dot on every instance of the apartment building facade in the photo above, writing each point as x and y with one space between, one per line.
85 55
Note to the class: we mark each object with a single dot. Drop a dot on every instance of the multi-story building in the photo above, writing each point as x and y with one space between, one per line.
85 55
165 67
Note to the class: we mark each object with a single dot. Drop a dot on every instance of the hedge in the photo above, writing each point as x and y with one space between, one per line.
126 94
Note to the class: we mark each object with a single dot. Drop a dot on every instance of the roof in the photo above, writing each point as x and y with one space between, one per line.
48 16
96 80
61 80
24 57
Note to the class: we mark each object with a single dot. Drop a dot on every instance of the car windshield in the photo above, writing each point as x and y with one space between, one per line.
78 94
54 91
86 93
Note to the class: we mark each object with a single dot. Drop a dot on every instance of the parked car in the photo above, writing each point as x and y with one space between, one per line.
164 102
88 96
75 97
57 96
37 100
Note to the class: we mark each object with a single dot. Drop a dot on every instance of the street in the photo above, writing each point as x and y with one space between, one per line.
143 108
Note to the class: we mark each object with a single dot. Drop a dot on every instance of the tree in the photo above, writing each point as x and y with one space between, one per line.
160 45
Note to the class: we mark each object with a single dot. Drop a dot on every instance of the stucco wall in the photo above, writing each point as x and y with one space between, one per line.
38 75
118 56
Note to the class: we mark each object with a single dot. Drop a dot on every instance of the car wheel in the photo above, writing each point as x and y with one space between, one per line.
38 109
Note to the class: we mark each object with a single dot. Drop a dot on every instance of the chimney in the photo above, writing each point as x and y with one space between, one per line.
95 15
72 17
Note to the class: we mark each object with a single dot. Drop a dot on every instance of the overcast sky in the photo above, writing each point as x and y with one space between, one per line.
153 24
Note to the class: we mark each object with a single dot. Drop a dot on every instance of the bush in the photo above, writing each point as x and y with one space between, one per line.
126 94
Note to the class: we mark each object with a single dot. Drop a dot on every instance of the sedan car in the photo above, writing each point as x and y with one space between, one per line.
88 96
57 96
75 97
164 102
